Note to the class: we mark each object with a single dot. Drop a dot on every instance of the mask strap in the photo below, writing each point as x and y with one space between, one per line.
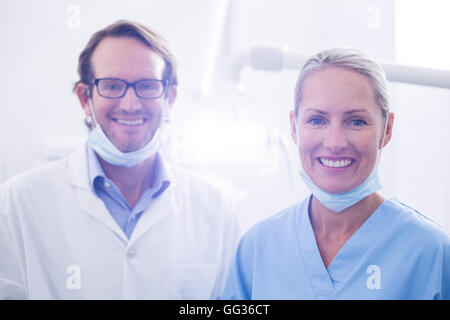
297 138
91 107
384 132
380 150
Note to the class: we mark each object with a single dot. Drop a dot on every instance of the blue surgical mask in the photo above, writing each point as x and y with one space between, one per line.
338 202
109 152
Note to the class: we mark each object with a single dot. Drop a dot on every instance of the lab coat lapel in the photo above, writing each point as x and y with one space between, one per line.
159 208
89 203
317 273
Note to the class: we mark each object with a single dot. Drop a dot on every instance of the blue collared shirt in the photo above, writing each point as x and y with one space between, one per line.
125 216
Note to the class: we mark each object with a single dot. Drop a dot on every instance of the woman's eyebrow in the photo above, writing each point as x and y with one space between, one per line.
355 111
324 112
315 110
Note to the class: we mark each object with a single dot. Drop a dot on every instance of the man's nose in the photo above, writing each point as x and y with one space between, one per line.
130 101
335 139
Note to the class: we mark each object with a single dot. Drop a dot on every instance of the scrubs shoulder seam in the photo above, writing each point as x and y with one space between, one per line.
421 221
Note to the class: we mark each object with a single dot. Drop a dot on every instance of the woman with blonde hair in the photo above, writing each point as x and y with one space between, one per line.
345 240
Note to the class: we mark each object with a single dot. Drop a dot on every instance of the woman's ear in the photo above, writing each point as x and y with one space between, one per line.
389 128
293 120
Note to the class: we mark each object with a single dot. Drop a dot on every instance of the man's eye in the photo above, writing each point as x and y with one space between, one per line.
111 86
149 86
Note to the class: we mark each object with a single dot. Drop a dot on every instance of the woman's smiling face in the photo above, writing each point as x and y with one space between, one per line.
338 128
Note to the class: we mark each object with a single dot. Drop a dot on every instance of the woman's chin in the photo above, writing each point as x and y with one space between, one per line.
336 189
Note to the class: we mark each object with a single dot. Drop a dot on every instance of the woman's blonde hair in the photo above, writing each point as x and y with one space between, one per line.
351 59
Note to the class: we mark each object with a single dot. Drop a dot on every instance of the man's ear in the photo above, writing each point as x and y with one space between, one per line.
82 92
171 96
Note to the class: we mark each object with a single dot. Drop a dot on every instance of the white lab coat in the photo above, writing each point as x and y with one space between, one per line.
58 241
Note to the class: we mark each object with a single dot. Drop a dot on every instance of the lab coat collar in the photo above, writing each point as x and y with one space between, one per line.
160 184
79 171
94 206
78 168
160 207
89 203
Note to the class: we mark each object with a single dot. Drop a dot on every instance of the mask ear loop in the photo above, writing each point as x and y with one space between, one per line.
91 107
384 133
297 138
380 149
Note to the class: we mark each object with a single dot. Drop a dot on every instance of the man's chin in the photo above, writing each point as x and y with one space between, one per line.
130 145
127 147
130 148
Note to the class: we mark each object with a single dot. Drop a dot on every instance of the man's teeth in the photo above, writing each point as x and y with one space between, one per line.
336 163
130 122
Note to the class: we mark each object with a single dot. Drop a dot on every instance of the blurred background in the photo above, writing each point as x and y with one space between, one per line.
238 63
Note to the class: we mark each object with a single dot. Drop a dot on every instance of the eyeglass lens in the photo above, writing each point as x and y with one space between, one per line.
114 88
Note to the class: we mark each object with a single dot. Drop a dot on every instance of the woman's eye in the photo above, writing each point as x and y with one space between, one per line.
357 122
315 121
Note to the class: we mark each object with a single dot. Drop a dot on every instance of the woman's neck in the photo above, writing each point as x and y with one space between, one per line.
336 224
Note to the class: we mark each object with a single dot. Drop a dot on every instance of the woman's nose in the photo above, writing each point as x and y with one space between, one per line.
335 139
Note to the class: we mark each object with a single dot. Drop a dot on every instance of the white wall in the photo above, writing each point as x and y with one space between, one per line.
420 152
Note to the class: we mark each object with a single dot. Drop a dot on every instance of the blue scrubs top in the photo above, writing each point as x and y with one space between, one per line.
396 254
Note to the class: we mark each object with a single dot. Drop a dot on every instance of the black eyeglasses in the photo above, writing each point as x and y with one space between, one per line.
117 88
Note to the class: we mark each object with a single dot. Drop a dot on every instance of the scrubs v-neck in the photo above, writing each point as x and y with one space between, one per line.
396 254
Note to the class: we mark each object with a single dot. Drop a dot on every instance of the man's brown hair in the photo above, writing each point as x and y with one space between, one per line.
125 28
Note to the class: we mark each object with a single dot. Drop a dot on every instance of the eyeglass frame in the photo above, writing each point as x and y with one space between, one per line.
164 82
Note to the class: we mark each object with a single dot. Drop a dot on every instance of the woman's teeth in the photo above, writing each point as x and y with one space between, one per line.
336 163
130 122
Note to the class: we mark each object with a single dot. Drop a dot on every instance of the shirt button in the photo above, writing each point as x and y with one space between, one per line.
131 253
107 184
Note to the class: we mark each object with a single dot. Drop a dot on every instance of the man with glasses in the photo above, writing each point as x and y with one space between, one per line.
115 221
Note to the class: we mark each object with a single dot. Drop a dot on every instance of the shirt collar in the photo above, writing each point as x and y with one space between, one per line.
95 170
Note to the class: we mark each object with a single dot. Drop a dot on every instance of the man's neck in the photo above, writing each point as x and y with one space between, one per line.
131 181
